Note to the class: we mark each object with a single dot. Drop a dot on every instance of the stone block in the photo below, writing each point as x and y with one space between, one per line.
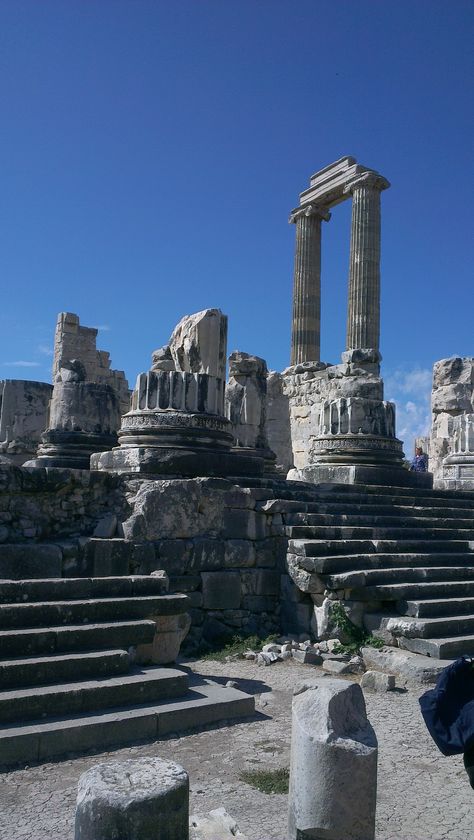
199 343
333 766
219 825
29 561
260 603
106 558
296 618
307 657
239 554
206 555
140 799
261 582
173 555
455 369
171 630
377 681
244 524
221 590
454 397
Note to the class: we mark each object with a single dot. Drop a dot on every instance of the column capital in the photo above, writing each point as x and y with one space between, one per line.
309 210
372 180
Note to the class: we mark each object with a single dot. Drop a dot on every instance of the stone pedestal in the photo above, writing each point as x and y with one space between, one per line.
333 769
137 799
458 468
83 418
176 426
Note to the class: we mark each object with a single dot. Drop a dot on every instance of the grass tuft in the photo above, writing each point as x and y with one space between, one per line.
267 781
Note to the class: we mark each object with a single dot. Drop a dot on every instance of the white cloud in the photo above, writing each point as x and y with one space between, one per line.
21 363
45 349
414 413
103 327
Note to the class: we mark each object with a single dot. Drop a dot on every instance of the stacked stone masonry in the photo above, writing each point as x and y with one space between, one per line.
451 447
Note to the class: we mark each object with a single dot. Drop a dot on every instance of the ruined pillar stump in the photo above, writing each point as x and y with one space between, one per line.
142 799
333 769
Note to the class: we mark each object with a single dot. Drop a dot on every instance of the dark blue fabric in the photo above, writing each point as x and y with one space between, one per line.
448 708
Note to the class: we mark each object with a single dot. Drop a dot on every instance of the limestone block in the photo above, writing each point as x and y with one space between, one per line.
454 397
84 407
377 681
137 799
221 590
278 422
23 417
199 343
261 582
333 767
455 369
174 509
219 825
171 630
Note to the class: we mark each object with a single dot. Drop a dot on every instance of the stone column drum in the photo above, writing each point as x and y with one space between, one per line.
363 317
306 324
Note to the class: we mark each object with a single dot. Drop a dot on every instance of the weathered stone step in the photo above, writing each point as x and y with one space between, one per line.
62 589
398 591
355 532
46 613
201 705
37 641
428 628
424 494
375 577
366 520
38 670
443 648
319 548
431 608
383 508
333 564
146 685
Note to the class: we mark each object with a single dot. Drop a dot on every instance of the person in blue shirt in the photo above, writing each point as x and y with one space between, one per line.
420 461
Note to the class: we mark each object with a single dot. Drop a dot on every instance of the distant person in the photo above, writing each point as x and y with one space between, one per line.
420 461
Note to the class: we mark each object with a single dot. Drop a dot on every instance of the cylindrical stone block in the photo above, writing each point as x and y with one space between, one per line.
363 317
142 799
333 768
306 324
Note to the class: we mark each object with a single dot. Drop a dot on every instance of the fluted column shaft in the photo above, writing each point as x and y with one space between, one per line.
306 324
363 316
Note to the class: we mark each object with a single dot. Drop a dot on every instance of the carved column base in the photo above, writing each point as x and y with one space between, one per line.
457 472
71 450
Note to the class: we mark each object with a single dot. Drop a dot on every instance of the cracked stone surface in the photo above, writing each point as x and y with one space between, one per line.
421 794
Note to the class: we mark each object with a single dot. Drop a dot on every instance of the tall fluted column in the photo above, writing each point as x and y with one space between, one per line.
363 316
306 324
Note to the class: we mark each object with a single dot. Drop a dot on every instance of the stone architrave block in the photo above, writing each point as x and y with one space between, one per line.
221 590
137 799
333 768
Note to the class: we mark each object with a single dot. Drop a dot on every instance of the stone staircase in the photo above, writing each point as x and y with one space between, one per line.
69 678
408 553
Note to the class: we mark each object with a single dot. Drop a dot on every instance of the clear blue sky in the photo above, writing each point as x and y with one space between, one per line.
152 149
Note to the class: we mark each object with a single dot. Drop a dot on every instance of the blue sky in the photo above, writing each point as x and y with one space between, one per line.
151 151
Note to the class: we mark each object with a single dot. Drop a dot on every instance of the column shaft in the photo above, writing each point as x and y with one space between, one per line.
305 334
363 317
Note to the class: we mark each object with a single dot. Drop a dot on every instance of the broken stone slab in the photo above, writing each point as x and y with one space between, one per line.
218 825
410 669
309 656
267 658
377 681
106 527
137 799
199 343
333 767
333 666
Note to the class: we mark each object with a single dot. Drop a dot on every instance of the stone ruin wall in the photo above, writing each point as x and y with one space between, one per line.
452 396
223 545
75 342
23 417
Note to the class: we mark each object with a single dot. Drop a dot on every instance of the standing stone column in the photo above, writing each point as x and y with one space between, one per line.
363 317
306 324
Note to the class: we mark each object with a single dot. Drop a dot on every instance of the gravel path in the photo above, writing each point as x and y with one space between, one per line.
421 794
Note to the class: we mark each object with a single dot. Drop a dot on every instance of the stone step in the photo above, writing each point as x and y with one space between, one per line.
428 628
46 613
38 641
353 562
391 491
398 591
443 648
62 589
356 532
431 608
40 670
375 577
146 685
366 520
319 548
201 705
378 507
